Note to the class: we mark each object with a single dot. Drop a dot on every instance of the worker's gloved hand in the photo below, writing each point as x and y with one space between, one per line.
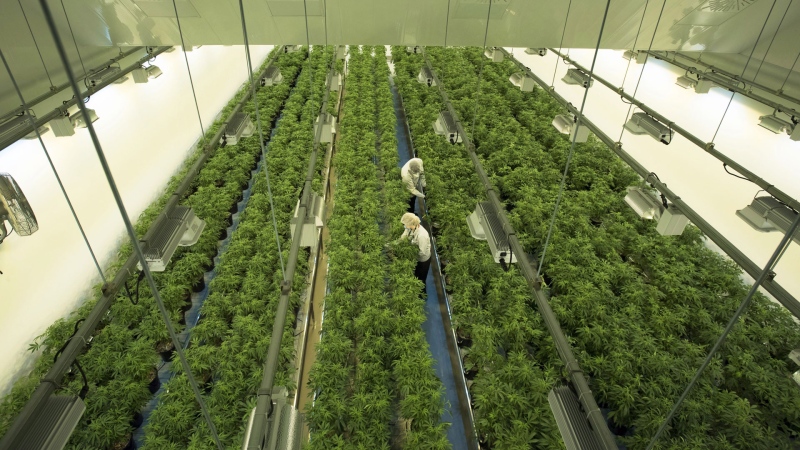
420 195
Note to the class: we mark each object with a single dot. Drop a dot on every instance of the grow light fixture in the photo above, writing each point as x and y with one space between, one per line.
778 125
522 81
768 214
445 126
283 429
78 120
703 85
794 355
179 227
239 126
16 124
536 51
311 223
484 224
336 81
642 123
671 220
52 426
572 422
632 55
328 127
575 76
414 49
341 52
566 124
72 118
426 77
685 82
494 54
272 76
104 75
144 74
292 48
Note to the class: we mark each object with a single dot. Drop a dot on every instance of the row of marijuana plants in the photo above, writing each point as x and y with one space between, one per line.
373 378
641 309
121 360
229 344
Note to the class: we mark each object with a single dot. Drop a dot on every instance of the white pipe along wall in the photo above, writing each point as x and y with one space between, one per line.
697 177
146 132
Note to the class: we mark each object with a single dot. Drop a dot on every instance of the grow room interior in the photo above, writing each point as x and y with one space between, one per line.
611 195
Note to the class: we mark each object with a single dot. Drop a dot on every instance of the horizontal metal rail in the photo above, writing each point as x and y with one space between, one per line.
777 291
706 146
76 345
62 109
585 395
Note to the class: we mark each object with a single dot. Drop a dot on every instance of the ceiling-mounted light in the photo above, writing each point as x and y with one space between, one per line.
778 125
445 126
671 220
143 74
641 123
180 227
522 81
19 123
685 82
292 48
768 214
565 123
272 76
328 123
414 49
485 225
494 54
426 76
536 51
239 126
703 85
575 76
638 56
77 118
104 75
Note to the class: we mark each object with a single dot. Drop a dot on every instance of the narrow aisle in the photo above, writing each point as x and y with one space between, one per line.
435 307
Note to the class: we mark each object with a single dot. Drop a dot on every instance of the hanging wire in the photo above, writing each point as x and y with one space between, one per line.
773 40
261 136
641 74
127 221
36 44
480 72
561 45
52 166
189 70
447 23
788 74
85 73
635 41
733 94
572 146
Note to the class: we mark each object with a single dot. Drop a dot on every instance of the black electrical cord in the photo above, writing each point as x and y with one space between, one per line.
85 388
138 284
74 332
725 166
663 198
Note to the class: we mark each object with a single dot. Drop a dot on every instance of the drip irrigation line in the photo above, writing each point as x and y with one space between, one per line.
773 260
126 219
36 44
641 73
480 72
561 45
747 63
635 41
261 136
53 167
189 70
572 145
773 40
85 73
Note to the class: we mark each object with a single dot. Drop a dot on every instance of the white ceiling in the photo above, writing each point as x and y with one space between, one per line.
99 26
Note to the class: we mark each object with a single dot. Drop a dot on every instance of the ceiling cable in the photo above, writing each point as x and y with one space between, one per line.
480 71
561 45
578 119
636 89
74 41
36 44
790 72
733 94
260 135
52 166
635 41
189 70
772 41
447 23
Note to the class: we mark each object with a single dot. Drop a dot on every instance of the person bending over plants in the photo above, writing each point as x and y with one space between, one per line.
413 176
416 234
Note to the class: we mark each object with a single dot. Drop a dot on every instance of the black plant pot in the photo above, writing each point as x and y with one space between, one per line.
137 421
154 385
199 284
167 351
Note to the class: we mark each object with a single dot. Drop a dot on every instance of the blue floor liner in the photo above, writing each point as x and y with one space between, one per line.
433 326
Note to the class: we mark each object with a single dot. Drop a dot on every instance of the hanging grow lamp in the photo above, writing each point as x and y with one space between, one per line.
426 77
685 82
179 227
632 55
446 126
311 223
494 54
671 221
328 123
239 126
484 224
536 51
522 81
566 124
575 76
642 123
272 76
767 214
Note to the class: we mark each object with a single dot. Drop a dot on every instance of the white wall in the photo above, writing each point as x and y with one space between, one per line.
146 131
695 176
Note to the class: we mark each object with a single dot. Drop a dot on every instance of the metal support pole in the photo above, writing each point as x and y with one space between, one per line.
585 395
263 410
707 146
777 291
773 260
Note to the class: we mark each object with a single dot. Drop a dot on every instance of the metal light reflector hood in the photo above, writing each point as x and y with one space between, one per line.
16 124
426 77
494 54
671 220
536 51
775 124
272 76
77 118
632 55
686 82
641 123
768 214
180 227
572 422
446 126
575 76
522 81
565 124
53 426
484 224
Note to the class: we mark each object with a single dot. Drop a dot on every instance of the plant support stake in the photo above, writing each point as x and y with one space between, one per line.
773 260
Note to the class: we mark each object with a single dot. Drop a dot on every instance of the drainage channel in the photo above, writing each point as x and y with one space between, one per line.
165 371
437 326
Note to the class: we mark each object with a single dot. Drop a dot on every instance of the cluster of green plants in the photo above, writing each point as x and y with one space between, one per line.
373 377
230 342
121 361
640 309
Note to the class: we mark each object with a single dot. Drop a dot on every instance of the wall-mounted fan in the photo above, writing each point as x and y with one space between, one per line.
15 209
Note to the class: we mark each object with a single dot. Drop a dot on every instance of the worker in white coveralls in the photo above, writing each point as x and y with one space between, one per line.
418 235
413 179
